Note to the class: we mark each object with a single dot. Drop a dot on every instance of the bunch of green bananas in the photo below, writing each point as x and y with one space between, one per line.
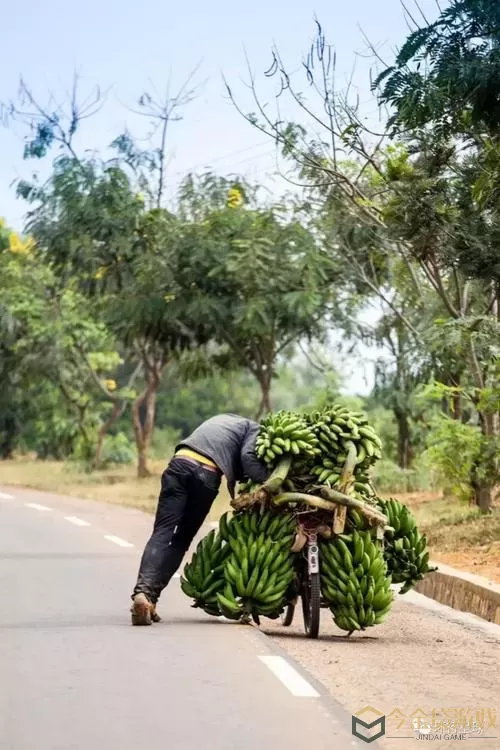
259 570
354 581
356 520
406 549
336 428
285 433
203 575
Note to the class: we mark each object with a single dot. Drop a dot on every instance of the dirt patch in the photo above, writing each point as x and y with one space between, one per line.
458 534
484 561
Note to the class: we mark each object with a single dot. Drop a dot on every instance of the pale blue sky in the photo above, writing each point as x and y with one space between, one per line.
124 45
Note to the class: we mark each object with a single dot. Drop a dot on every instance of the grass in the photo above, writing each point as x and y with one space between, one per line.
457 534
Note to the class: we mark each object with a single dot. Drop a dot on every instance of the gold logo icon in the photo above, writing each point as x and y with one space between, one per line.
372 720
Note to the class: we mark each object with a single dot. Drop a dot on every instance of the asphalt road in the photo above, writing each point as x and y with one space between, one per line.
75 675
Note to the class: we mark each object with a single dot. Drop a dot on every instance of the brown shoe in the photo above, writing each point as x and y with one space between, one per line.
141 610
154 614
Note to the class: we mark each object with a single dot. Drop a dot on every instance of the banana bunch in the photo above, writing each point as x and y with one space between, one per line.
285 433
354 581
203 576
356 521
406 549
259 569
336 428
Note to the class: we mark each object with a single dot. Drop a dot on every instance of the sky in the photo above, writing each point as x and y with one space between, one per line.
127 47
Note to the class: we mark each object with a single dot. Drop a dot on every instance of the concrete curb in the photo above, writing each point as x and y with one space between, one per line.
463 591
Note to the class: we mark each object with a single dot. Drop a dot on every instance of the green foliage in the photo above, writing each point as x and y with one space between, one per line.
465 454
453 450
164 441
204 305
117 450
448 72
389 478
255 275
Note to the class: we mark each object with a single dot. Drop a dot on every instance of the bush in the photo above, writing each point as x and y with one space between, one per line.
389 478
164 442
117 449
452 450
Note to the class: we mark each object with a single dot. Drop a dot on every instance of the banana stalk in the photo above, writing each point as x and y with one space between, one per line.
334 496
347 477
302 497
275 481
272 485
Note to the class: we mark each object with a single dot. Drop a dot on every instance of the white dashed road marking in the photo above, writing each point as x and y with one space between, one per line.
76 521
289 676
5 496
36 506
117 540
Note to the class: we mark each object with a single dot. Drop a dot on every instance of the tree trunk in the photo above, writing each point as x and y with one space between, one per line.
265 401
454 381
481 492
457 406
482 486
143 430
487 462
116 413
405 451
483 497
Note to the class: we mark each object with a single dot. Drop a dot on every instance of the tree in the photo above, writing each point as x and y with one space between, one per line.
53 339
256 275
153 318
411 201
93 224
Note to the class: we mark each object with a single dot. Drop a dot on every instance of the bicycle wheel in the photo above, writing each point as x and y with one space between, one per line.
287 616
311 604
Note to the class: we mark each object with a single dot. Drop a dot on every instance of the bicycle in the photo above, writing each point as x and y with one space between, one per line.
308 584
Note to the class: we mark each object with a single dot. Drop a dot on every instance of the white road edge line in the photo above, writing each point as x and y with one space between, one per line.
117 540
76 521
5 496
289 676
36 506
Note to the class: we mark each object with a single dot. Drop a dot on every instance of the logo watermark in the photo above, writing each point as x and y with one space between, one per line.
370 723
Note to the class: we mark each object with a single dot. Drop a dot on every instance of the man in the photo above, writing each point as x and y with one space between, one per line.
223 445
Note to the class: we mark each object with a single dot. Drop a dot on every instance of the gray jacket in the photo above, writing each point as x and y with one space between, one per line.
229 441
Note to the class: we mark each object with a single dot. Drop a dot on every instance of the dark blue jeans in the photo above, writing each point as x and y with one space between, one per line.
187 493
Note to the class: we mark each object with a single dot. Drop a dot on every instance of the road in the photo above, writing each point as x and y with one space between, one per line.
75 675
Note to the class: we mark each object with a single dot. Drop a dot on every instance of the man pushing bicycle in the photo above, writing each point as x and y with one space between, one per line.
222 445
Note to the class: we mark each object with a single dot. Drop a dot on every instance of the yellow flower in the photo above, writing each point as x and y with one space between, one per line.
234 198
100 272
110 384
19 246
